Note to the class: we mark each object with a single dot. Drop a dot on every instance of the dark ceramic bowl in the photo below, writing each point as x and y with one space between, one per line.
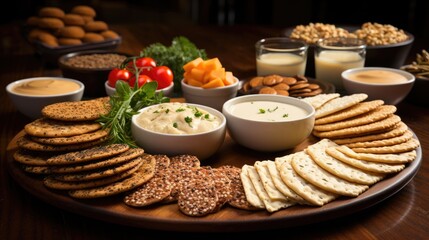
93 78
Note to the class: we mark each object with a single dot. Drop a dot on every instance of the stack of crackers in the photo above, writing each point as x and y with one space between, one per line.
361 144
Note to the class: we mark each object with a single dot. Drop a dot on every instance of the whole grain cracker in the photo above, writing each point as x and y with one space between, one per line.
26 143
145 172
223 187
340 103
381 125
77 111
409 145
319 100
312 194
271 205
399 129
81 138
358 109
29 157
384 142
36 169
376 167
313 173
375 115
44 127
339 168
93 153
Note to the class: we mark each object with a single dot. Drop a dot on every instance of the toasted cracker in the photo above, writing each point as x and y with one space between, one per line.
340 103
313 173
400 158
318 100
382 125
145 172
88 154
29 157
339 168
358 109
249 189
375 115
376 167
44 127
77 111
409 145
399 129
26 143
384 142
312 194
267 180
81 138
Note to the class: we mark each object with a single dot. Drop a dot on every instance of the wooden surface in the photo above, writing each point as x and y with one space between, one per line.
24 216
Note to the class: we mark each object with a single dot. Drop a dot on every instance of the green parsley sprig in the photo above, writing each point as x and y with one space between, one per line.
125 103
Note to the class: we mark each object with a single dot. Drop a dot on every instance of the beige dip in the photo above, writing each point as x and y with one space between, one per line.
377 76
177 118
46 87
268 111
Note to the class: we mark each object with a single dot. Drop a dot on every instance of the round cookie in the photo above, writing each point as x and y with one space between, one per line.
71 19
33 21
109 34
71 32
96 26
69 41
34 33
50 23
84 11
47 39
92 37
53 12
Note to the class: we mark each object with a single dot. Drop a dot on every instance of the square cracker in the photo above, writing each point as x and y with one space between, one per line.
338 104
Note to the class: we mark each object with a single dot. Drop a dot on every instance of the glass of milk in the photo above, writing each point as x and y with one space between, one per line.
332 56
280 55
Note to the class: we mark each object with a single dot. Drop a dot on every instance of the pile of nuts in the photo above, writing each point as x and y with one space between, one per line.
374 34
54 27
296 86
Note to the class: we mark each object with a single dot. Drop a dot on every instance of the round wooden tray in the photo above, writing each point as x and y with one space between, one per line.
169 218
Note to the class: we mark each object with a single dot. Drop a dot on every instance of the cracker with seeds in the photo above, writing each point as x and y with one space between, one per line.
271 205
45 127
36 169
319 100
145 172
339 168
399 129
376 167
400 158
340 103
375 115
409 145
25 142
312 194
81 138
382 125
384 142
358 109
77 111
29 157
249 189
89 154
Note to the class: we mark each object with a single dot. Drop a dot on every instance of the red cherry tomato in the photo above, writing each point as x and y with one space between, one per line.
118 74
142 63
163 75
142 80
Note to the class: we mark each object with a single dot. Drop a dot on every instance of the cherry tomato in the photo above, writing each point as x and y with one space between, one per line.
142 80
142 62
118 74
163 75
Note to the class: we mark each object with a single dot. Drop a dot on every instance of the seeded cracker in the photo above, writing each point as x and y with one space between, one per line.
81 138
44 127
77 111
340 103
25 142
29 157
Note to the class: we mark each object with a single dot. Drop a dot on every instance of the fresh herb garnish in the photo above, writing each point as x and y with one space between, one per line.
125 103
285 115
188 120
261 111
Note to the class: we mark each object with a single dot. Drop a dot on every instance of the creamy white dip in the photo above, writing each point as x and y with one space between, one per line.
268 111
177 118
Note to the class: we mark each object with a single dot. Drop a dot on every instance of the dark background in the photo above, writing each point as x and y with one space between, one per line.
412 16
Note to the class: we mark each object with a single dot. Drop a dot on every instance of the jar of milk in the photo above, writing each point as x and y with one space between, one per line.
332 56
280 55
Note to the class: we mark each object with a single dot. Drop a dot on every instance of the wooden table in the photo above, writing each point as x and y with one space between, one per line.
24 216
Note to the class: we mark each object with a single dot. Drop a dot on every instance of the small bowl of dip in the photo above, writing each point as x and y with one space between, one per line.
388 84
30 95
179 128
268 123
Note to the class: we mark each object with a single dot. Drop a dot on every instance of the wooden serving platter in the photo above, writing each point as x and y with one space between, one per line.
169 218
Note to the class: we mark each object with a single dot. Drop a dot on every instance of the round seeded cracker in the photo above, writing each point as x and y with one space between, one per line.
77 111
81 138
44 127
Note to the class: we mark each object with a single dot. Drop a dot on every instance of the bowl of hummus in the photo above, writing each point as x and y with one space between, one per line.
179 128
30 95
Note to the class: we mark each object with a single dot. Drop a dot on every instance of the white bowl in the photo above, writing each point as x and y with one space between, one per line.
267 135
203 145
212 97
31 105
390 93
168 91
